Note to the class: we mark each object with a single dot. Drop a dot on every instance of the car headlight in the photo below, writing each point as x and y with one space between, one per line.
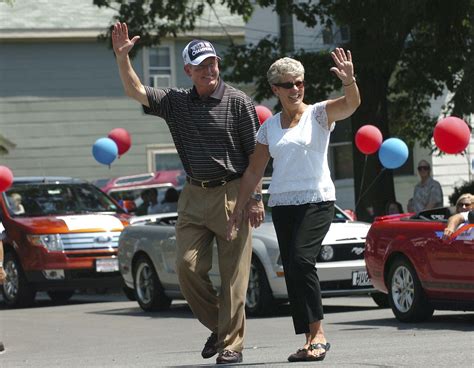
51 242
327 253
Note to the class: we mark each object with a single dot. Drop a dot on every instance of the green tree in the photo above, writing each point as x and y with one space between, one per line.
406 52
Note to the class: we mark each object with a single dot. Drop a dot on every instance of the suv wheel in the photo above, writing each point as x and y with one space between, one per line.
16 290
148 289
406 296
259 300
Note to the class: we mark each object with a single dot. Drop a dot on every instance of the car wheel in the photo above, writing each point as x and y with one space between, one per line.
259 295
60 296
129 293
17 292
148 289
406 296
380 299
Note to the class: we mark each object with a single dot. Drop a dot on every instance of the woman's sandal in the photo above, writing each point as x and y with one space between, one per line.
305 355
321 356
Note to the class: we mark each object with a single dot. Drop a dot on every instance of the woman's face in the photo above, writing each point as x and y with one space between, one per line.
290 90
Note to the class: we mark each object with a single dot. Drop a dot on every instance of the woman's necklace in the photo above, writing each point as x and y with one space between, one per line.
288 121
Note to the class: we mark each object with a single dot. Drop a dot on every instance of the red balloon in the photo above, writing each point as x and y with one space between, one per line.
6 178
122 139
451 135
368 139
263 113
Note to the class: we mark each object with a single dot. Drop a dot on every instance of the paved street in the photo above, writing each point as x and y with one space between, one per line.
109 331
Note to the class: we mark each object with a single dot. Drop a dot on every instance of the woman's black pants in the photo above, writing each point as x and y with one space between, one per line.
300 231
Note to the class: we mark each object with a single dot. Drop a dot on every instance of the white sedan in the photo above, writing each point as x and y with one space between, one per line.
147 253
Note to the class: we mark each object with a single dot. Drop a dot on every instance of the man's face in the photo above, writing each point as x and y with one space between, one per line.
205 75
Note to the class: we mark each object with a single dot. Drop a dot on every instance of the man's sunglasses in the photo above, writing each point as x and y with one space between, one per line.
289 85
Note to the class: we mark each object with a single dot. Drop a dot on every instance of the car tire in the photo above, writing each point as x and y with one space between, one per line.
406 296
259 301
148 289
17 292
380 299
60 296
129 293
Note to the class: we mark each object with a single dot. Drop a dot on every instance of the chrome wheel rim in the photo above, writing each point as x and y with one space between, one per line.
253 290
12 282
144 283
403 289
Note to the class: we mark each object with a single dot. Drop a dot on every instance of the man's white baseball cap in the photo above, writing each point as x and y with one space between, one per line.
197 50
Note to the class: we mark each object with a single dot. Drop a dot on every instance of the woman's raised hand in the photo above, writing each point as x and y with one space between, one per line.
120 41
344 68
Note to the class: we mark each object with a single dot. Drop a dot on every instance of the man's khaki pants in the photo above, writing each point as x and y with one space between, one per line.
202 216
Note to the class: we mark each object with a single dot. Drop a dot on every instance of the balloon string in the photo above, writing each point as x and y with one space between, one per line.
362 180
370 186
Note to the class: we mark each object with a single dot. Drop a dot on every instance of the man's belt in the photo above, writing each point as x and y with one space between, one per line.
212 183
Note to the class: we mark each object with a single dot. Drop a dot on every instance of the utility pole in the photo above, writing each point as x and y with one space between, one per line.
286 33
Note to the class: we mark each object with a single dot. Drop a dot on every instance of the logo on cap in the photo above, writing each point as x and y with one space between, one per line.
198 50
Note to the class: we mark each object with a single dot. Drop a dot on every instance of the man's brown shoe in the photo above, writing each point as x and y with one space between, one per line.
210 348
229 356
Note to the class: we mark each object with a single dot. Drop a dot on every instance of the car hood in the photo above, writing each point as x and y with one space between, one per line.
70 223
347 232
343 232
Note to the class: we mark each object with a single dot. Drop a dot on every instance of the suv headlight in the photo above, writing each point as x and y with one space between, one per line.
51 242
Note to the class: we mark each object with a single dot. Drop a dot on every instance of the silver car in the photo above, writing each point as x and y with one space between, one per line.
147 253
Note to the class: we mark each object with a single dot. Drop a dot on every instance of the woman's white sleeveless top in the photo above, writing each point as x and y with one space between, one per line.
300 166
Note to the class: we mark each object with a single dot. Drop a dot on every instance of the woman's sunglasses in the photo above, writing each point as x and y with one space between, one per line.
426 168
290 85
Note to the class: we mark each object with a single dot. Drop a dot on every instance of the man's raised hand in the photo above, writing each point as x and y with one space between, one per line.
120 41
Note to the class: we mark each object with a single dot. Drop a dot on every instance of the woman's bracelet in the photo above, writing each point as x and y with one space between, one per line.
350 84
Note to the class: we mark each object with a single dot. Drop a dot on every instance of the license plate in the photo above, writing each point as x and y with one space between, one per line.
107 265
360 278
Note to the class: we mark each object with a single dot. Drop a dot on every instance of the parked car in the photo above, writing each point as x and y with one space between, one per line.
127 189
64 236
407 259
147 254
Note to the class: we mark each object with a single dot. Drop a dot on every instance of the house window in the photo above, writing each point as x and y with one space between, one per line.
163 158
159 66
336 35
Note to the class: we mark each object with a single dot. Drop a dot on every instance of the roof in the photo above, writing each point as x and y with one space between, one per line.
37 19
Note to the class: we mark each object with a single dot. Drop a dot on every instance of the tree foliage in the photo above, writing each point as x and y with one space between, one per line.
406 53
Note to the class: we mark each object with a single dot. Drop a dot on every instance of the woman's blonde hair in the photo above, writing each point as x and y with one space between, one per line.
283 67
465 196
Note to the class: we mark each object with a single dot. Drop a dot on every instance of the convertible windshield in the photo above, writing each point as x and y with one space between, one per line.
56 199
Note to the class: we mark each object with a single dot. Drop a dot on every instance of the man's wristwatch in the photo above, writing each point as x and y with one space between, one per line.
256 196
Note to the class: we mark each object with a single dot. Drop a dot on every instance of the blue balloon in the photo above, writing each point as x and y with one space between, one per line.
393 153
105 151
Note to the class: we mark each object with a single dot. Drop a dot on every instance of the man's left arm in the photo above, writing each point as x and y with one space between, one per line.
249 124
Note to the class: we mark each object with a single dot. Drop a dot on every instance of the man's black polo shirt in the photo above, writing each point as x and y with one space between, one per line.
213 137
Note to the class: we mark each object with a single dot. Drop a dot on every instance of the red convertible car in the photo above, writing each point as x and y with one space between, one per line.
407 258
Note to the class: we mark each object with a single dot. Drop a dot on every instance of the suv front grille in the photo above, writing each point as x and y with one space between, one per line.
89 241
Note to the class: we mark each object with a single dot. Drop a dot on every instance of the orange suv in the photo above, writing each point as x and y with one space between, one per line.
61 234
